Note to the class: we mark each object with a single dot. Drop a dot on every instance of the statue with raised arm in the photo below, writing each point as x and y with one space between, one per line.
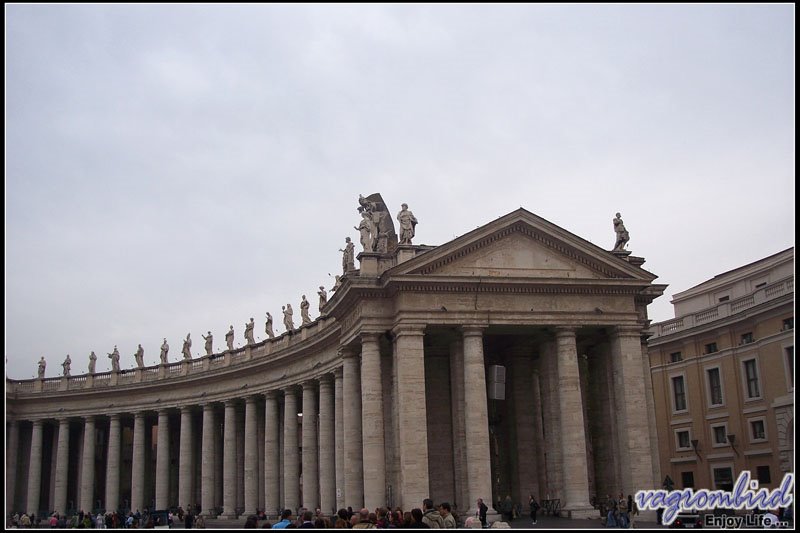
408 224
304 305
66 365
249 327
229 338
348 256
622 234
367 230
139 356
268 327
323 297
164 352
287 317
209 343
42 366
114 356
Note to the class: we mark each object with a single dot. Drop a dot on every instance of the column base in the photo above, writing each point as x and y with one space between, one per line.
580 512
224 516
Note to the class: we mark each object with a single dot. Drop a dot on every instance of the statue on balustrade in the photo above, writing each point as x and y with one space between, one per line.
187 347
379 224
336 284
622 234
92 362
114 356
323 297
249 327
164 352
42 366
229 338
348 256
367 230
304 305
209 343
287 317
66 364
408 224
268 327
139 356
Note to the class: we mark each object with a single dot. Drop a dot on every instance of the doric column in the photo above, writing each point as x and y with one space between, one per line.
541 465
162 461
87 466
353 464
374 454
550 411
62 467
229 461
339 416
327 446
526 481
11 464
310 451
272 455
35 469
291 463
476 413
573 435
409 357
651 412
459 429
633 426
186 459
250 455
138 466
207 477
113 463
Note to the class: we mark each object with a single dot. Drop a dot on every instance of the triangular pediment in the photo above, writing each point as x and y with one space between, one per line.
521 245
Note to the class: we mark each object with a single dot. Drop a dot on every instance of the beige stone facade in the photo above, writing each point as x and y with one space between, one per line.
723 378
509 361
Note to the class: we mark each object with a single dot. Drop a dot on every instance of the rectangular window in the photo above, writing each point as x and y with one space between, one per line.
711 347
715 386
720 436
762 284
757 428
687 478
683 440
788 323
747 338
763 474
751 375
723 478
724 299
680 393
675 357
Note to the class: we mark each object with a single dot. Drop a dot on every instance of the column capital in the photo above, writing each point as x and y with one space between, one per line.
291 390
628 330
337 373
186 409
250 400
565 331
348 351
271 395
139 415
325 379
231 402
470 330
309 384
416 330
370 336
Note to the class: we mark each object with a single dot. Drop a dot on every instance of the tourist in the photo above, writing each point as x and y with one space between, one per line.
482 510
286 519
447 516
417 519
431 516
534 506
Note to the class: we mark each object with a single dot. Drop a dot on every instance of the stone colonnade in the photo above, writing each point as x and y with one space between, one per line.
347 437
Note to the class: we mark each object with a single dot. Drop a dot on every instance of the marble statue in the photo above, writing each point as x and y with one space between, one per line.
379 222
367 230
336 284
408 224
92 362
348 257
66 364
304 305
42 366
114 356
164 352
323 297
187 347
248 331
287 317
229 338
209 343
268 327
139 356
622 234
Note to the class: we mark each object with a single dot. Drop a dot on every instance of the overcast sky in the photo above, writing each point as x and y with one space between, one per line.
176 168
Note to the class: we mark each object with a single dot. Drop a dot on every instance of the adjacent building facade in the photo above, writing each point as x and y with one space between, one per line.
723 378
509 361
